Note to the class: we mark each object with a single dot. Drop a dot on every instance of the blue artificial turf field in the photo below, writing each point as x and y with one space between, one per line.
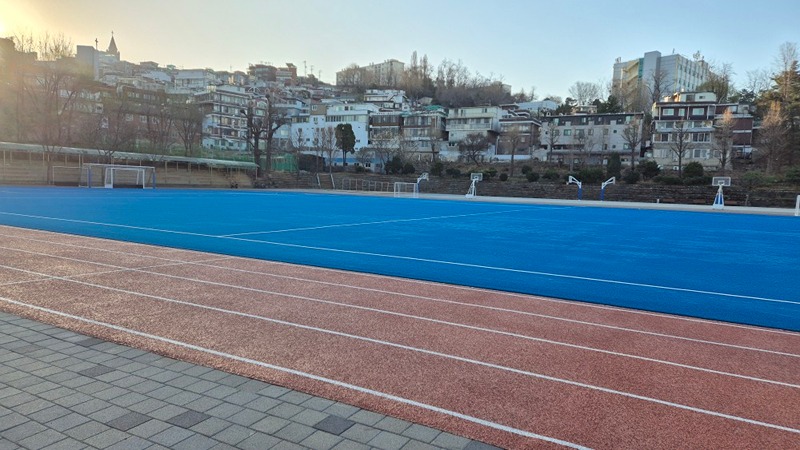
732 267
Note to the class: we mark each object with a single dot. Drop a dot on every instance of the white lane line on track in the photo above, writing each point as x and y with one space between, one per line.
529 297
337 383
492 308
452 357
380 222
71 278
425 260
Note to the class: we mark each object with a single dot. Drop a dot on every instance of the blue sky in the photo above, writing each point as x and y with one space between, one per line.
546 44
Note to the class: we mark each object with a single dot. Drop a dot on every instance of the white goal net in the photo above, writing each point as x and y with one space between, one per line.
403 189
115 175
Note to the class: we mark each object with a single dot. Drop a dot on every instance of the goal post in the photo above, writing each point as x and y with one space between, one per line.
116 175
404 189
65 175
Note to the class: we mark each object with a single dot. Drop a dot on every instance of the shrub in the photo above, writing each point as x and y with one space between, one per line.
649 169
526 170
408 169
591 175
551 175
697 181
360 169
453 172
668 180
631 176
792 175
752 180
532 176
614 167
490 173
693 170
437 168
503 176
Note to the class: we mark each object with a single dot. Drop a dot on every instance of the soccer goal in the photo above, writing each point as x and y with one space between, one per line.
404 189
65 175
114 176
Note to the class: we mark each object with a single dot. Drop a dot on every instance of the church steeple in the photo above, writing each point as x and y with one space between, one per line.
112 47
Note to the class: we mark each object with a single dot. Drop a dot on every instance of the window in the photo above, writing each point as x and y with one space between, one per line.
699 153
567 132
590 132
698 111
668 111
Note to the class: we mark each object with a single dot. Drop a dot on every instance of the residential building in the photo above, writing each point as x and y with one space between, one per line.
519 134
225 123
423 132
388 73
684 125
484 120
587 138
639 82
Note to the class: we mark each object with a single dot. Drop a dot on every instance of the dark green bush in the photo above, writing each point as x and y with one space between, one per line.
453 172
697 181
649 169
360 169
551 175
408 169
693 170
437 168
503 176
668 180
591 175
526 169
631 176
792 175
532 176
490 173
614 167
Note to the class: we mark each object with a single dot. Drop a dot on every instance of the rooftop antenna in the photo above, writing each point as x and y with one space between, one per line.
305 68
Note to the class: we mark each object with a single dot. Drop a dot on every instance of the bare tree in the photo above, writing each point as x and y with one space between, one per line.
188 125
325 141
657 85
159 129
723 139
758 81
681 143
473 146
584 92
552 138
772 137
117 131
274 118
633 135
512 139
719 81
383 145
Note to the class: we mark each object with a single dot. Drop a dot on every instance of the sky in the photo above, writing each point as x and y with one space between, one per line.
546 45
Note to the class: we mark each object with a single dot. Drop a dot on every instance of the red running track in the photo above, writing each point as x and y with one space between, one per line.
516 371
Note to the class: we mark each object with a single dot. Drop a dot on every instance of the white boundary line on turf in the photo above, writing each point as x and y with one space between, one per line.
425 260
346 225
441 355
419 297
451 286
337 383
72 278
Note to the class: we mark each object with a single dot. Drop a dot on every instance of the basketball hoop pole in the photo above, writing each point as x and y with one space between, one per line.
573 180
719 199
612 180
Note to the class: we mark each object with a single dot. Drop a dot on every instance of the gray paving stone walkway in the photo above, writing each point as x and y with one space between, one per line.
64 390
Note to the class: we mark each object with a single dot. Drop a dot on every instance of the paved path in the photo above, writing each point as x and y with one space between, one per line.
64 390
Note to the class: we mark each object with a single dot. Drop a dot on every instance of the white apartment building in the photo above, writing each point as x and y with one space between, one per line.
474 119
587 138
654 72
387 73
685 123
